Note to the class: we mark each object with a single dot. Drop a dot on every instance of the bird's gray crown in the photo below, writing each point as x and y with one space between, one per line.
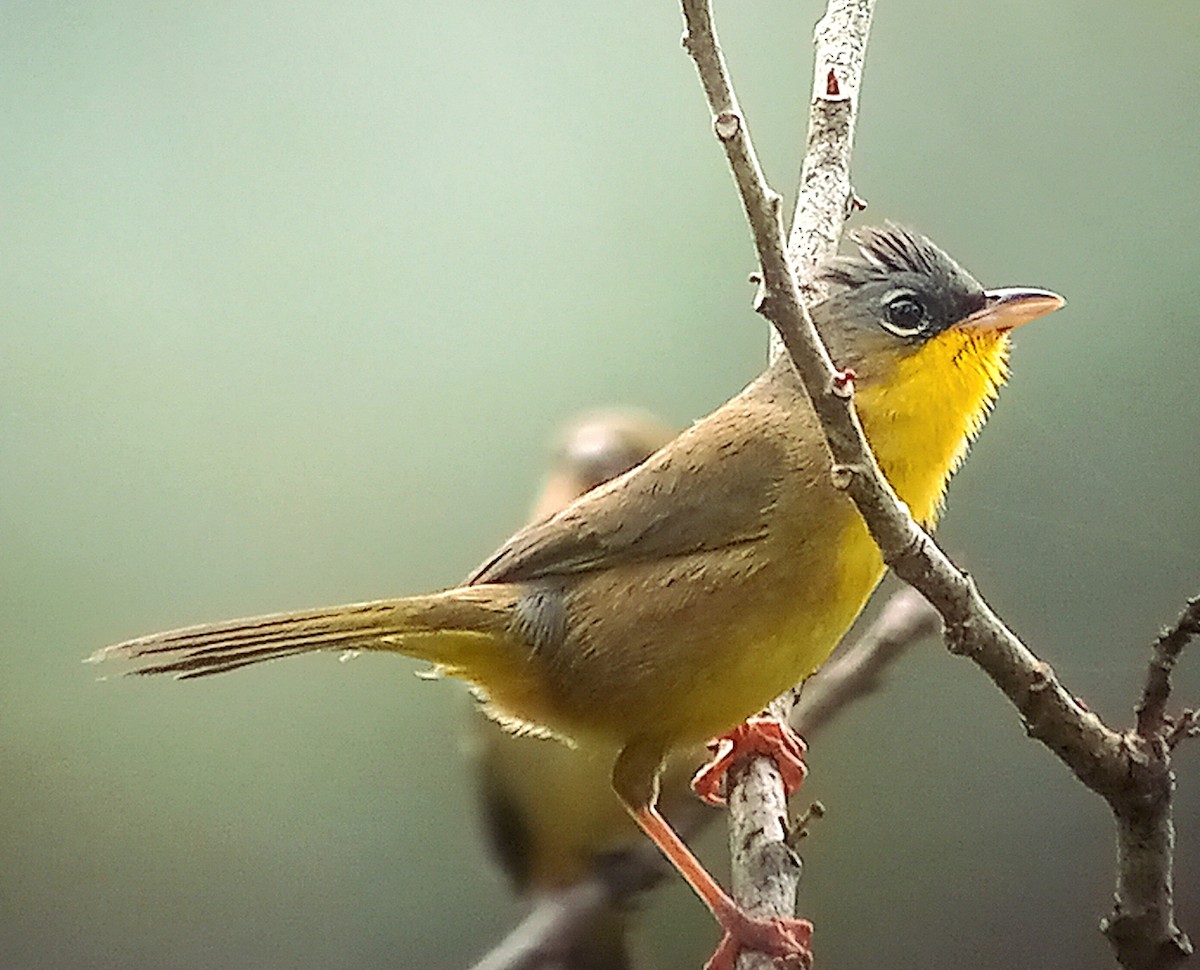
890 249
895 255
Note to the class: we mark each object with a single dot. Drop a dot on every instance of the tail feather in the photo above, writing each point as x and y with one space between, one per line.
424 627
202 666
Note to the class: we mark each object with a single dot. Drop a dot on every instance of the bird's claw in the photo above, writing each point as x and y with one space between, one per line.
766 736
787 940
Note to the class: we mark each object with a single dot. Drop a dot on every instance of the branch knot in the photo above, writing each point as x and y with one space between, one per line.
727 125
842 476
841 384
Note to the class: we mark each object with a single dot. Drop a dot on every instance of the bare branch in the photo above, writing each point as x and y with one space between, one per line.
549 928
826 195
1141 926
1132 772
1152 709
765 870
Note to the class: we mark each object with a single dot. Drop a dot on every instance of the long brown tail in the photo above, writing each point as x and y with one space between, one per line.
457 630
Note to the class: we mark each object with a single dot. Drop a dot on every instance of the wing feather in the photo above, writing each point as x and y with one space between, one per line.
713 486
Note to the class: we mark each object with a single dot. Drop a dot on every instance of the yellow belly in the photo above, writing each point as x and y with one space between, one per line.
772 650
719 636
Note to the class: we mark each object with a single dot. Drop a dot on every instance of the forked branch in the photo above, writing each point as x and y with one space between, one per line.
1130 770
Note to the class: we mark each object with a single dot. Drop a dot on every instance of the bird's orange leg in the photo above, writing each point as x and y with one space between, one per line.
789 940
767 736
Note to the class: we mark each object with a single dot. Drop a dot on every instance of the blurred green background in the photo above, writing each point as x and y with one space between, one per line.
295 294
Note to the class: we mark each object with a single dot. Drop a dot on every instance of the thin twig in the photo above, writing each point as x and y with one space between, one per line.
548 929
1152 709
826 195
1187 725
765 871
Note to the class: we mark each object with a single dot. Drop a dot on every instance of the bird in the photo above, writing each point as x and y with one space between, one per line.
678 599
548 811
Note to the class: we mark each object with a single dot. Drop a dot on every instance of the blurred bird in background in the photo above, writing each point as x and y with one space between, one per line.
548 810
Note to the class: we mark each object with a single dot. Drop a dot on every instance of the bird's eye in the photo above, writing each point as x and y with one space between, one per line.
904 316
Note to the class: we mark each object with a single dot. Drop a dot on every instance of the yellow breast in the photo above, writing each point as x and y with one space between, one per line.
920 422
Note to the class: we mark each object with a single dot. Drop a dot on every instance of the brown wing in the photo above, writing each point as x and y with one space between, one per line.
713 486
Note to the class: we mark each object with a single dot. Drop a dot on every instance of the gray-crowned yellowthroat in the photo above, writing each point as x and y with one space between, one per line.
668 605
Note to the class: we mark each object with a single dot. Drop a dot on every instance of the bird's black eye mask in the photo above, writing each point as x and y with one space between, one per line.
920 289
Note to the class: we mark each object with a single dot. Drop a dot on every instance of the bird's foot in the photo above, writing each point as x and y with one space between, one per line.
787 940
757 736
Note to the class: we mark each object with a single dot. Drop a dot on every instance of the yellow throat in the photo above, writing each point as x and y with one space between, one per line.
922 418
